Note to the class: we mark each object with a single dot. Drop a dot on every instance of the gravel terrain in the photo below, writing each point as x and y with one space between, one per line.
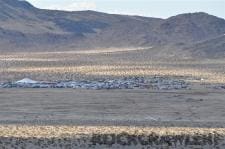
101 137
117 119
119 107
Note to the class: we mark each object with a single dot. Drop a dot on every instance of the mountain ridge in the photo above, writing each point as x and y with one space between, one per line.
24 27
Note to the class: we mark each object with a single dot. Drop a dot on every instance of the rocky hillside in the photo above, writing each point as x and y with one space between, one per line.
24 27
211 48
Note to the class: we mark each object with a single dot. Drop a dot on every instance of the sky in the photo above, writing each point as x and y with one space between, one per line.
150 8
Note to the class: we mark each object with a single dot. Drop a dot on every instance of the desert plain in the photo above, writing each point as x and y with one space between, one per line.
193 112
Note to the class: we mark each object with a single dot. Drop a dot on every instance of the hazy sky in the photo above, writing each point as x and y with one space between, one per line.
152 8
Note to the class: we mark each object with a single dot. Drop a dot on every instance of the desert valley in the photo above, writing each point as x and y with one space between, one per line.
86 79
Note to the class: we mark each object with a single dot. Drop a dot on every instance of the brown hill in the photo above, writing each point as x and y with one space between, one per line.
24 27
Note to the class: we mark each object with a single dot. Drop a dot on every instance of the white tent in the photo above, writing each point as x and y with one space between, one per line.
26 81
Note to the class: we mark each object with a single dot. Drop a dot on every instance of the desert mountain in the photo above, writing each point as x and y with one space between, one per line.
24 27
211 48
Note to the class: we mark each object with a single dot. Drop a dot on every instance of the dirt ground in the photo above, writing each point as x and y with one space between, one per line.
199 107
116 119
54 118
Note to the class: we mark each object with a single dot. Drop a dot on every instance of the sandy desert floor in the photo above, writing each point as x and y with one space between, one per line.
202 107
28 113
116 119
